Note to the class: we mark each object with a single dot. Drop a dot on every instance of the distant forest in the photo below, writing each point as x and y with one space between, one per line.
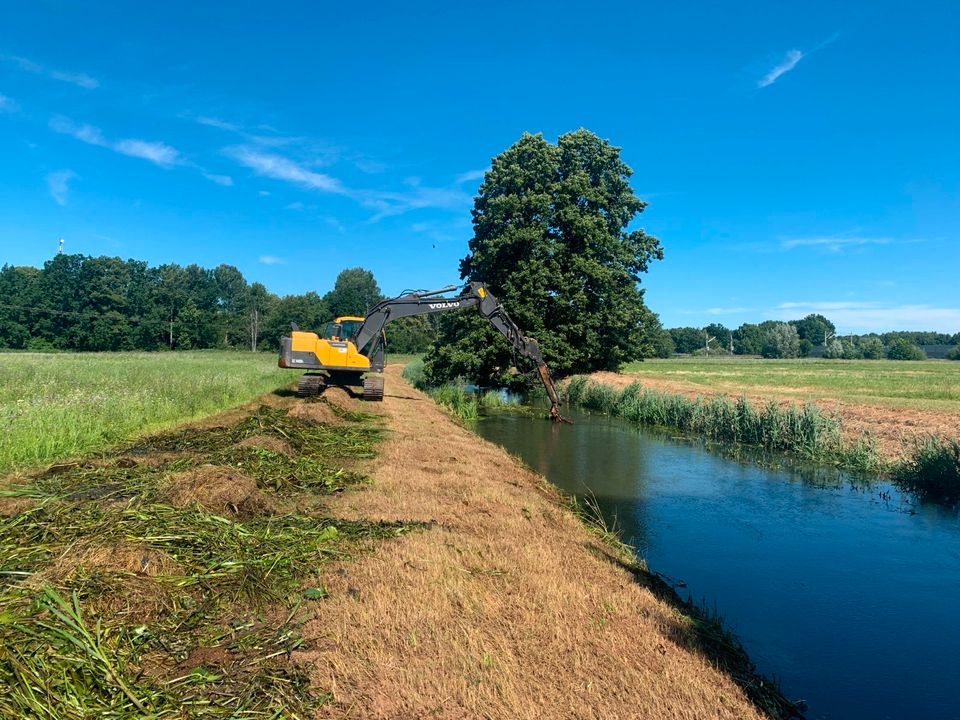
81 303
811 336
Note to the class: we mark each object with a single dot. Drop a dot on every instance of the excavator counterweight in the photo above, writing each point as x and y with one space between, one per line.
351 350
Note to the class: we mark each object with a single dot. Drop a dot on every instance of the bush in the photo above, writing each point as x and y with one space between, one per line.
954 354
781 341
872 349
903 349
806 347
834 350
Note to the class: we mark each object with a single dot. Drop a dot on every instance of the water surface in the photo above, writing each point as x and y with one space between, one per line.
849 597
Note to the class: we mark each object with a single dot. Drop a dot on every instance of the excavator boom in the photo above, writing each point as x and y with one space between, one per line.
367 351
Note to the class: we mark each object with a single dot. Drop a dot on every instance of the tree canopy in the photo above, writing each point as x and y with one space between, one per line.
552 241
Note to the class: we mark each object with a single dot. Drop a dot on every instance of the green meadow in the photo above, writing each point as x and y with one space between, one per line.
55 406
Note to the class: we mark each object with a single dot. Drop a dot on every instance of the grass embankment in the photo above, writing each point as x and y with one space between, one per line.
506 605
172 577
54 406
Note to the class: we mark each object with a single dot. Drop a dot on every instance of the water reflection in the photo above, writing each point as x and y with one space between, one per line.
846 591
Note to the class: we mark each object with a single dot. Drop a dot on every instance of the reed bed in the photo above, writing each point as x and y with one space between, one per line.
798 429
932 470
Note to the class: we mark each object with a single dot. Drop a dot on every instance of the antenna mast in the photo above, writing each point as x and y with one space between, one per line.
60 251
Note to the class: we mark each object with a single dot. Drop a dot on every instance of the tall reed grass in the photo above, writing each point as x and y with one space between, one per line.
799 429
932 470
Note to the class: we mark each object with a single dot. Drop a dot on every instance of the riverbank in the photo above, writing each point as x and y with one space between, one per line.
338 559
504 606
893 428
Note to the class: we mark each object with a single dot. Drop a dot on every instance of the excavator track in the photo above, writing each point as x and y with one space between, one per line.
310 385
373 388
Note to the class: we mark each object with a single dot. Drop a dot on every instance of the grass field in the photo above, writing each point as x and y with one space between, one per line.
54 406
930 385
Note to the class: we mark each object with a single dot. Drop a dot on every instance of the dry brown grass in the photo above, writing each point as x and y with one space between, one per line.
267 442
216 489
506 608
894 428
318 411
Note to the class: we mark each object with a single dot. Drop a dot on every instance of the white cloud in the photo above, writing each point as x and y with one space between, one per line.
271 260
842 241
156 152
79 79
385 203
217 123
8 104
470 175
867 316
58 183
789 63
282 168
834 243
224 180
727 310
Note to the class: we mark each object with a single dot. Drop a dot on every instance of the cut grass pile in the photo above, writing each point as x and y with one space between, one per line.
169 578
933 385
63 405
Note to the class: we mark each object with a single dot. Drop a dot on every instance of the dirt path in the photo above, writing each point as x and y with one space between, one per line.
893 428
504 607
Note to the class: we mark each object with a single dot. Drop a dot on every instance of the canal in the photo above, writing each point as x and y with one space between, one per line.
849 595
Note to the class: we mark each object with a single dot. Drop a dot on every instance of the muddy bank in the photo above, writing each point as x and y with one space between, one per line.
505 606
894 429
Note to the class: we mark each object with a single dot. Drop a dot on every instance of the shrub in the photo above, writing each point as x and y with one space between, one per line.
954 354
834 350
903 349
781 341
872 349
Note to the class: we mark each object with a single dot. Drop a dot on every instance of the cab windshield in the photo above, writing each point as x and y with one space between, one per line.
341 330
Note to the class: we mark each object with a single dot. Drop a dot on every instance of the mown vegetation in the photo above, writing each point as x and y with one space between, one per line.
54 406
929 386
129 590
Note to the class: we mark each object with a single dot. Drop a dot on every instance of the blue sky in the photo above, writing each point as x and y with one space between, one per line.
797 157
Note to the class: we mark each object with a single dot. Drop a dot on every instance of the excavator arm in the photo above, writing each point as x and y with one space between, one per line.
475 294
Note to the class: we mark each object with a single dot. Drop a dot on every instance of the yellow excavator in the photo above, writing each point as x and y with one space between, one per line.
351 350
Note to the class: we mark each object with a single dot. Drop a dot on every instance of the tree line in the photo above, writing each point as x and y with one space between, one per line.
82 303
813 335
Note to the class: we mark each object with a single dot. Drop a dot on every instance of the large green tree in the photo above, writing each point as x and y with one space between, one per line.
354 292
552 241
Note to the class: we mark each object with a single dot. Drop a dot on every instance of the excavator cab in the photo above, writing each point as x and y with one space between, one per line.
343 328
